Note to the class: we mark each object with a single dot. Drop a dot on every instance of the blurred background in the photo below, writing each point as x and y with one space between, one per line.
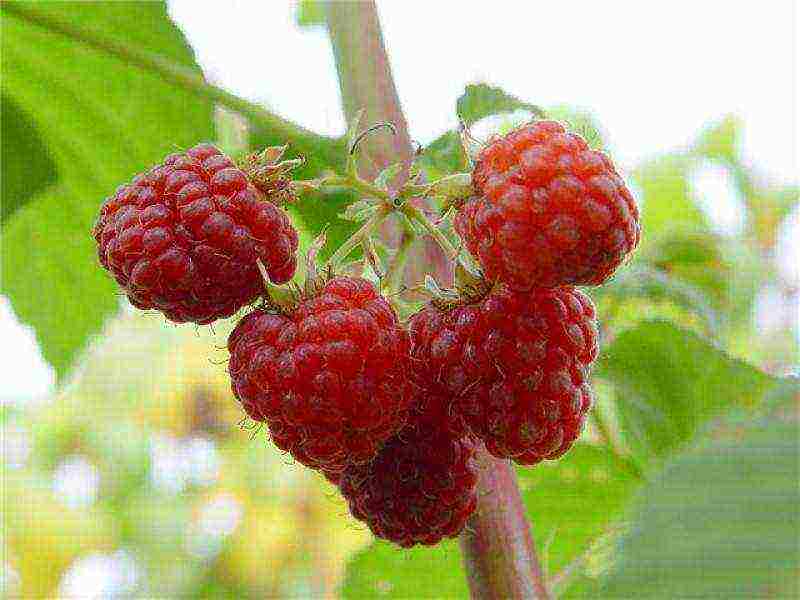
135 475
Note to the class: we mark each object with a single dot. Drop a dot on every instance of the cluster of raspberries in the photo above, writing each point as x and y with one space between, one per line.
394 413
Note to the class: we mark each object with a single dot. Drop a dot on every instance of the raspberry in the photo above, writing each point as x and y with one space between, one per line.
420 487
548 211
330 377
184 237
516 365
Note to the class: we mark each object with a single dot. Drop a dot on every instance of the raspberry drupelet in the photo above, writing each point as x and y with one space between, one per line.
547 210
515 364
184 237
330 377
421 487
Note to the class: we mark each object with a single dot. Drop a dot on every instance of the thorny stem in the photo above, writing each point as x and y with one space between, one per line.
499 554
366 82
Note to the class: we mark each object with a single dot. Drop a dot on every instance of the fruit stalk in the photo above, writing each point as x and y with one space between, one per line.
366 82
365 231
498 550
497 546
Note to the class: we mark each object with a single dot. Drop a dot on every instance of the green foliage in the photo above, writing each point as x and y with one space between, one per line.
655 285
27 155
666 195
717 517
721 521
670 382
310 13
579 121
571 502
101 122
481 100
721 140
445 155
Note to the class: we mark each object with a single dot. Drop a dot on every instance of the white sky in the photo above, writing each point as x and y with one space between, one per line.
654 73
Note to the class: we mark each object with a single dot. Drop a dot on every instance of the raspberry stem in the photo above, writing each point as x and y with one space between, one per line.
498 551
359 236
451 188
415 214
366 83
396 270
350 182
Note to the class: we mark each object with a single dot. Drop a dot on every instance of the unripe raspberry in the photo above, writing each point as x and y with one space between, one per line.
184 237
515 364
419 489
548 210
330 377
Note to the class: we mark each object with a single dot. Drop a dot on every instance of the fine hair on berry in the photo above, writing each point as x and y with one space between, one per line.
184 238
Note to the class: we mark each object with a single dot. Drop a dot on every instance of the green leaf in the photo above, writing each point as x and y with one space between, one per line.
570 502
699 259
769 206
310 13
656 285
720 141
574 500
27 167
579 121
481 100
671 382
383 571
666 196
101 122
721 521
443 156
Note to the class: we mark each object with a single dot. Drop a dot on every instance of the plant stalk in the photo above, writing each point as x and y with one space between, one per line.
415 214
394 274
363 232
366 82
498 550
497 546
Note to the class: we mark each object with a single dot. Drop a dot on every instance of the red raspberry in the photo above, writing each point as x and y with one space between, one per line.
184 237
420 487
330 378
549 211
516 365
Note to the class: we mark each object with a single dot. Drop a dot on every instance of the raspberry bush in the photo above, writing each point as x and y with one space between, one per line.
445 347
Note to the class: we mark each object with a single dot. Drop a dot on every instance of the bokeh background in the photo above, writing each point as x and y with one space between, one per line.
128 470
